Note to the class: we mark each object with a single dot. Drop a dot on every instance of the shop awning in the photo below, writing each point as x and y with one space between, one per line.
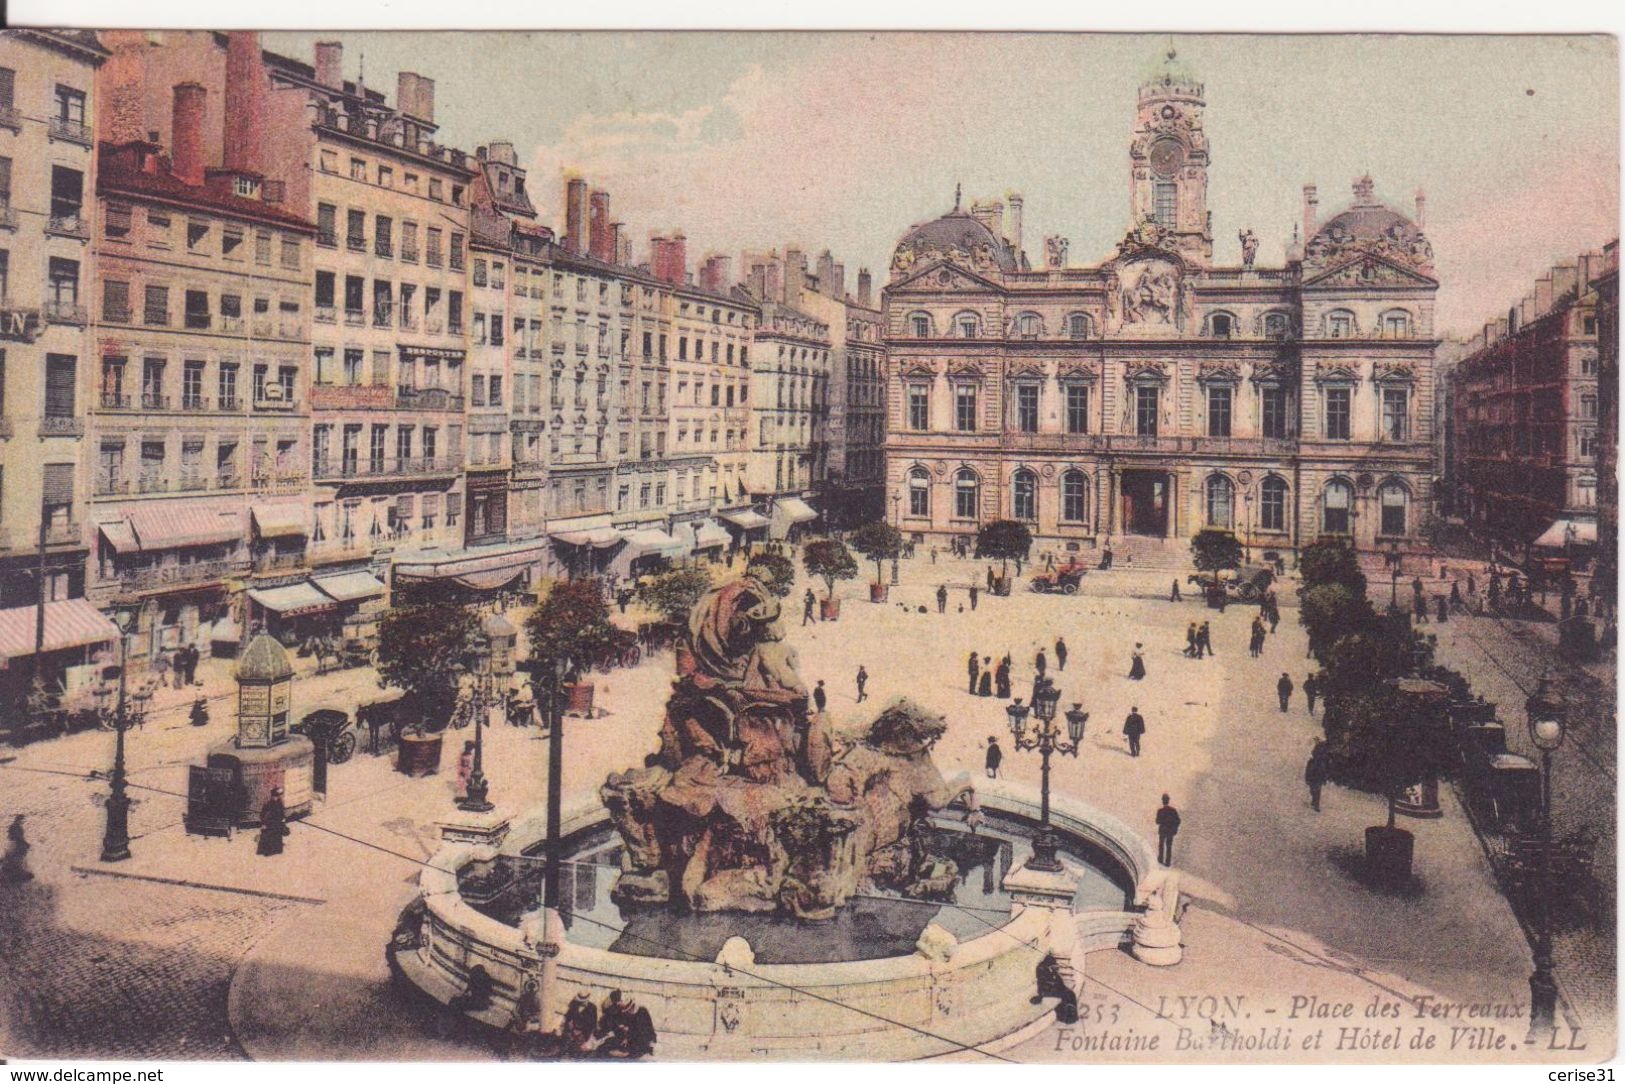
292 600
73 622
226 631
183 523
597 537
280 520
1578 532
350 586
746 518
649 540
119 535
503 562
793 510
707 535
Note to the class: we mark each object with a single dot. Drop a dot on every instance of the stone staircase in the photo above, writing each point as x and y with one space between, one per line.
1142 552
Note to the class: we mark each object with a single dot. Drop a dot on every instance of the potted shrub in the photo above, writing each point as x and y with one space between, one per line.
879 542
775 571
674 595
568 632
829 560
1003 540
1212 550
424 650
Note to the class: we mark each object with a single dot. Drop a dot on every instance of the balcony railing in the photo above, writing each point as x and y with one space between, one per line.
231 325
154 401
383 314
198 321
428 399
327 240
65 312
228 479
229 405
327 314
355 317
112 487
112 315
409 254
71 131
155 318
141 579
355 243
195 402
279 562
112 400
399 467
456 261
71 224
280 401
53 425
432 259
152 483
383 248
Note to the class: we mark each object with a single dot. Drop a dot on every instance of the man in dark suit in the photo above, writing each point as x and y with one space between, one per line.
1133 729
1167 828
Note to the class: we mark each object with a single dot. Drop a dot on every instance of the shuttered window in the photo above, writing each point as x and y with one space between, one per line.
60 371
57 486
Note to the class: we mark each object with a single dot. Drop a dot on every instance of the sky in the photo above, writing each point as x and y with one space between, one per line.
842 141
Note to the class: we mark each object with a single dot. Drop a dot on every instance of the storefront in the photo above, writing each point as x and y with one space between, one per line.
648 550
585 545
478 574
790 517
360 598
74 632
746 525
706 539
294 612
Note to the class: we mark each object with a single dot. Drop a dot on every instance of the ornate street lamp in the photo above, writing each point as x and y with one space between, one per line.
1546 730
1393 590
1047 740
480 703
116 838
559 668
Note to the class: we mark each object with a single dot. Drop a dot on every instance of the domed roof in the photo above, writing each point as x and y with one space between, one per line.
1369 227
957 237
264 660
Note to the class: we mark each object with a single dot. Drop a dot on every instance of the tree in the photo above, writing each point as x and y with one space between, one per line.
1332 562
880 542
1213 549
424 650
1379 744
570 626
675 593
1004 540
829 560
1329 611
774 570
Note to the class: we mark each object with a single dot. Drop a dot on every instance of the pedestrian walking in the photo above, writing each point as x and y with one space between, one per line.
933 555
1167 829
1001 678
973 668
1040 662
1255 644
995 757
1472 584
974 591
1173 594
984 687
1060 653
1136 669
820 698
990 577
1283 690
1190 641
807 602
1311 691
1275 612
1204 640
1314 774
1106 559
942 598
273 824
863 680
1049 561
1134 730
465 769
160 667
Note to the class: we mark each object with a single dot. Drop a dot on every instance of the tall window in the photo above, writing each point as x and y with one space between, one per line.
1221 501
919 324
1392 498
1218 410
1146 401
919 407
1024 495
1339 502
1027 408
1167 203
1337 413
1077 326
965 408
1272 504
1275 325
1340 324
1275 404
1396 324
1074 497
1077 408
60 370
966 325
967 491
1396 413
919 492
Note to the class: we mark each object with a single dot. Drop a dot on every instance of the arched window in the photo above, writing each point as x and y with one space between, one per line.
967 494
1074 497
1028 325
919 492
1340 324
1077 326
919 324
967 325
1222 325
1396 324
1336 516
1275 325
1272 504
1024 495
1393 500
1221 501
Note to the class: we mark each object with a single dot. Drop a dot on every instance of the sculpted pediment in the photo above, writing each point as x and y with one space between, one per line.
1141 372
1275 372
1335 372
940 274
1366 269
968 370
920 370
1393 372
1076 371
1025 370
1219 372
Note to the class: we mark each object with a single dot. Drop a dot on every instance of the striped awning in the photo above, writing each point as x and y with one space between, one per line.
73 622
281 520
119 535
292 600
650 540
596 537
793 510
350 586
511 559
707 535
183 523
746 518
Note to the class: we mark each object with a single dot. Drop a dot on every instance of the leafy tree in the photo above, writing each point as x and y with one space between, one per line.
424 650
570 626
1213 549
829 560
675 593
1381 745
1332 562
1004 540
1364 657
774 570
1330 610
880 542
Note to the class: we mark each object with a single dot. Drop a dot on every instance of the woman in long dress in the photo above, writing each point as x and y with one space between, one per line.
273 823
1136 670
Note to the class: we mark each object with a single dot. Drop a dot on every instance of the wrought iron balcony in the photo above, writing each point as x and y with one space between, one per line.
229 405
112 400
383 314
141 579
54 425
113 315
65 312
399 467
355 318
409 254
327 314
151 400
69 224
355 243
428 399
71 131
383 248
194 402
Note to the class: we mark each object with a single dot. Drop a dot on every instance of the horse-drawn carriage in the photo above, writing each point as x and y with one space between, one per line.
332 729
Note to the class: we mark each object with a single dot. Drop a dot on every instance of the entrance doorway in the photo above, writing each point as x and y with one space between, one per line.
1145 503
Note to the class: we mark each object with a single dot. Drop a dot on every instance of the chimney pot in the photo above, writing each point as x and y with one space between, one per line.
186 132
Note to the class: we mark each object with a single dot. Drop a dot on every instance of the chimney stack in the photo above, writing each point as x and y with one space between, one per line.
1421 209
1543 295
837 288
826 274
575 215
245 103
414 96
668 258
714 274
600 238
620 244
186 132
795 275
330 64
865 288
772 279
1013 234
1311 206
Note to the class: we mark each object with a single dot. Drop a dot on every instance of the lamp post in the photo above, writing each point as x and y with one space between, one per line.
475 800
1247 525
1546 731
555 780
116 838
897 521
1047 741
1393 590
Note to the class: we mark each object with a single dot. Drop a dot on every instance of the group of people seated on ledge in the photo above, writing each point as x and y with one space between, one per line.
617 1028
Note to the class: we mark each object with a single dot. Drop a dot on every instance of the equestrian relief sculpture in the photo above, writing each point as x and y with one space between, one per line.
754 803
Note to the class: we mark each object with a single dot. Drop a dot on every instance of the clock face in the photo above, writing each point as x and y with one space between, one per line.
1166 157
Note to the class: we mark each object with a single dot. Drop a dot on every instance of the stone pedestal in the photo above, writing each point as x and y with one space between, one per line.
1156 940
289 765
1054 892
487 829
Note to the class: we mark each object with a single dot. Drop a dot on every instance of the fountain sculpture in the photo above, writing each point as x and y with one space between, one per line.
754 803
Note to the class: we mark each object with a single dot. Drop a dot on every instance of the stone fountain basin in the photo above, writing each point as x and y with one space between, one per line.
892 1009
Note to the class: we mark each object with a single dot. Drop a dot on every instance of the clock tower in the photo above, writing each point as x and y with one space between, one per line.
1168 161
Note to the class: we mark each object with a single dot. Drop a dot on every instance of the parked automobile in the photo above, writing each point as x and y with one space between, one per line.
1246 584
1063 579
